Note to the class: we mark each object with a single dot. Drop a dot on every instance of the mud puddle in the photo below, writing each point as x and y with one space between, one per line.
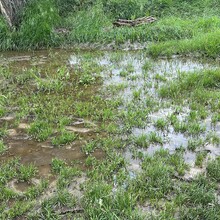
21 145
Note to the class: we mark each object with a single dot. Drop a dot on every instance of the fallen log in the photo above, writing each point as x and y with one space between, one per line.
133 23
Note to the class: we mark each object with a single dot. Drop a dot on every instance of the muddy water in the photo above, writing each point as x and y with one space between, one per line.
22 145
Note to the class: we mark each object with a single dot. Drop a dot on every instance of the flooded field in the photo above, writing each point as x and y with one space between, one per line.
108 135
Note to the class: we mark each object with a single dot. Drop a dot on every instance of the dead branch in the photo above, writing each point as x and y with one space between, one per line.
133 23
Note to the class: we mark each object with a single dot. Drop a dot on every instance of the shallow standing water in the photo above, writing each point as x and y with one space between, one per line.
136 74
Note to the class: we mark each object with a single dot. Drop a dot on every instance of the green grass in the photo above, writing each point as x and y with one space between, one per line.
64 138
199 87
3 147
118 172
182 27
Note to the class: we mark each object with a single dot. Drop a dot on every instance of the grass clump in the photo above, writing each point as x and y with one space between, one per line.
64 138
100 202
3 147
213 169
26 172
197 87
40 130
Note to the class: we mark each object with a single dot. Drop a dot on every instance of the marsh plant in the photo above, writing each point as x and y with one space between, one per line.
26 172
65 137
133 140
3 147
40 130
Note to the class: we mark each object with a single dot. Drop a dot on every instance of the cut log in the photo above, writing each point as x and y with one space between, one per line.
136 22
10 9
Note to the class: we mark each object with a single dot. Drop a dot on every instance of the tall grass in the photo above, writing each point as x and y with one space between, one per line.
36 28
207 44
185 26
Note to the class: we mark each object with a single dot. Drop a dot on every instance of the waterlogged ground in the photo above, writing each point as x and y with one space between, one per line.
108 135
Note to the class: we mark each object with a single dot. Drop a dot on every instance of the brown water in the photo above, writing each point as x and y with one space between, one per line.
41 153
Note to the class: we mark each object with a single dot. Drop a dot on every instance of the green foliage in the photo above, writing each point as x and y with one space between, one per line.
26 172
67 6
213 169
101 203
181 24
126 9
40 130
206 44
199 86
3 148
63 138
38 21
5 35
158 7
87 26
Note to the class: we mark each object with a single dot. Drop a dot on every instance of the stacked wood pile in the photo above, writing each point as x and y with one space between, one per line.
10 9
136 22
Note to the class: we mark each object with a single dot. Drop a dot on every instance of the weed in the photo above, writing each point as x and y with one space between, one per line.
124 73
161 124
34 191
89 147
137 94
40 130
147 66
64 138
3 148
213 138
142 141
193 144
153 137
213 169
57 165
26 172
200 158
215 118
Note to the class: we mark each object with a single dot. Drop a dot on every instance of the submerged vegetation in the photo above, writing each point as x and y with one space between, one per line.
182 27
144 146
110 134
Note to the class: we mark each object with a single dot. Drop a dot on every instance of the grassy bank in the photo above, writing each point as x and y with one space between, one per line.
182 27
